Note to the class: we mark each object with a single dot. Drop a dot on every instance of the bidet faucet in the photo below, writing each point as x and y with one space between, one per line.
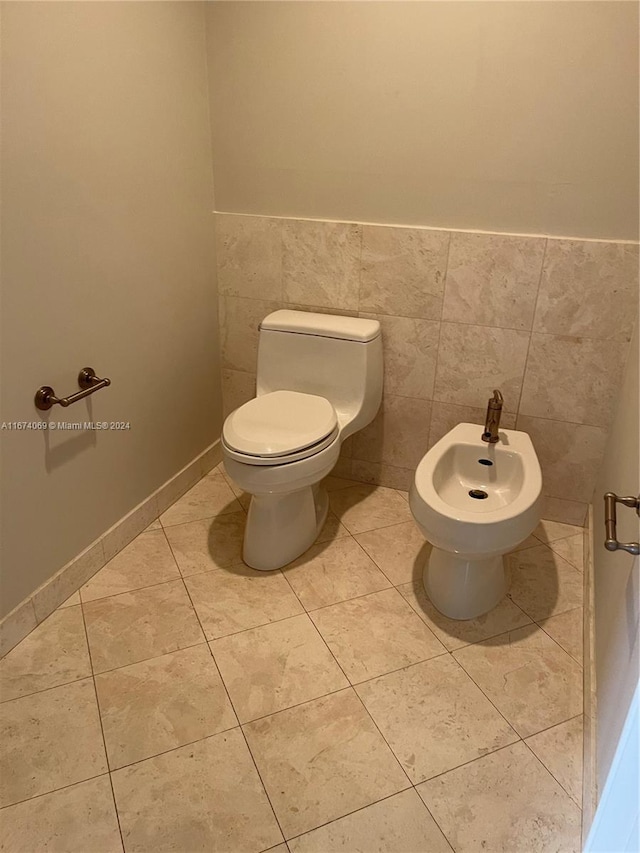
492 421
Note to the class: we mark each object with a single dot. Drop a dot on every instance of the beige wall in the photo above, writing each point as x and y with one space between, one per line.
106 261
461 314
517 117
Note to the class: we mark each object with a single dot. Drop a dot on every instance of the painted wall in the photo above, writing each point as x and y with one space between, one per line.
516 117
461 313
106 261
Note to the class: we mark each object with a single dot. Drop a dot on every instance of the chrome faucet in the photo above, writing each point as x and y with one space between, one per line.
492 422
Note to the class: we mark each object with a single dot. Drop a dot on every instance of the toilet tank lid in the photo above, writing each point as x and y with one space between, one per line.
323 325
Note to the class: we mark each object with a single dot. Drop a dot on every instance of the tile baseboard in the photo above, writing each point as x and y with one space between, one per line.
17 624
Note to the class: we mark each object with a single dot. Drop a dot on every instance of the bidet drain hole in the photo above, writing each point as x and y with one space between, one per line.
485 461
478 494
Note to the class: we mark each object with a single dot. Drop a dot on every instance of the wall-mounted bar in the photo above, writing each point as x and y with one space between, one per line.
87 380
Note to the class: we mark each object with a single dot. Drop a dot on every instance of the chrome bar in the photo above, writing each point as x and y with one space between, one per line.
87 380
611 541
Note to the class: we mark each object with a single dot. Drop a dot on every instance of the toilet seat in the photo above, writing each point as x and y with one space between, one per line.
280 427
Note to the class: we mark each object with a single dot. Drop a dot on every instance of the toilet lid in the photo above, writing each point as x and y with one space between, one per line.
279 423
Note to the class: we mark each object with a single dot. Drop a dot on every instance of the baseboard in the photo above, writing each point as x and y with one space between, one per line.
15 626
589 777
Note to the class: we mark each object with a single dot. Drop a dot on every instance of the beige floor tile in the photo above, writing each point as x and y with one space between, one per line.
49 740
276 666
527 676
529 542
238 598
550 531
134 626
541 583
159 704
73 599
332 484
402 494
567 630
146 561
362 508
201 546
560 750
79 818
328 573
331 529
434 717
322 760
203 797
399 824
375 634
53 653
401 551
571 548
505 802
155 525
209 497
456 633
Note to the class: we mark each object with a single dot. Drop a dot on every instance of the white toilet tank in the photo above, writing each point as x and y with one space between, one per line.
339 358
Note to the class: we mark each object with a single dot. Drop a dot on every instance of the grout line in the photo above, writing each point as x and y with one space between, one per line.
533 320
553 776
55 791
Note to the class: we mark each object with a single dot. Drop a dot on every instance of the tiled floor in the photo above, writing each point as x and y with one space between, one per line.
184 702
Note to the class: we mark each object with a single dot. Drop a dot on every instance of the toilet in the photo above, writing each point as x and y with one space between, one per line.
319 380
474 502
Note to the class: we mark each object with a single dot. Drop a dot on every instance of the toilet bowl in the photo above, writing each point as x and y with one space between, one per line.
474 502
319 380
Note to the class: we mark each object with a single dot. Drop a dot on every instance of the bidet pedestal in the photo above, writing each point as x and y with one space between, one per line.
463 589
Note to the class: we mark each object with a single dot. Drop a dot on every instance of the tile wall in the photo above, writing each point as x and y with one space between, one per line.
546 320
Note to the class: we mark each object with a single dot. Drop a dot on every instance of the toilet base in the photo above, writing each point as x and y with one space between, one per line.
280 527
461 588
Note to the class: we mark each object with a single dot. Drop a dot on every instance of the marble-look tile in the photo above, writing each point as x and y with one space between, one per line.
135 522
322 760
293 666
239 327
363 508
528 677
378 474
567 630
134 626
237 388
54 653
573 379
328 573
50 739
320 263
375 634
434 717
401 551
563 510
506 802
159 704
446 416
210 496
210 458
80 817
530 542
551 531
177 486
410 353
571 549
15 626
331 529
560 750
155 525
403 271
569 455
588 289
234 599
206 796
398 824
456 633
144 562
492 279
249 256
398 435
201 546
473 360
542 583
68 580
333 483
72 600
